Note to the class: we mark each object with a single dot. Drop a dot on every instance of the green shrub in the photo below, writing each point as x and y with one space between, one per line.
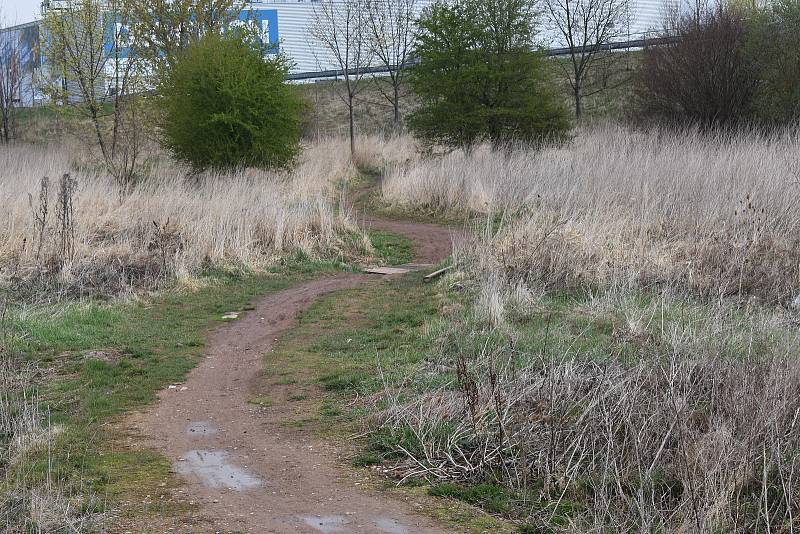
774 45
478 77
226 104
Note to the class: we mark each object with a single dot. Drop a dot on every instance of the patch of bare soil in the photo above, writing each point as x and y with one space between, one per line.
247 471
432 243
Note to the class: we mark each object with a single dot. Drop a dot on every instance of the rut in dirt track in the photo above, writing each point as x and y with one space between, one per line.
249 473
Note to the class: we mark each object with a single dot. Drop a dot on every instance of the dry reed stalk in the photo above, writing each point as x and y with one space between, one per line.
714 215
696 428
246 219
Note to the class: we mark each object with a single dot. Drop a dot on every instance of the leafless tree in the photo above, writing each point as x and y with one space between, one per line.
392 25
11 75
701 75
342 28
586 27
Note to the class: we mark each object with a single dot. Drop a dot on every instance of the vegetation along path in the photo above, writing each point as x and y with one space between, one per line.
249 472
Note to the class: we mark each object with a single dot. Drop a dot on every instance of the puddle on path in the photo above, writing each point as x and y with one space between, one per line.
215 470
392 526
325 523
201 428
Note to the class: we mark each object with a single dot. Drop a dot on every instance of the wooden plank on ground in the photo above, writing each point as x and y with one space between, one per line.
436 274
386 270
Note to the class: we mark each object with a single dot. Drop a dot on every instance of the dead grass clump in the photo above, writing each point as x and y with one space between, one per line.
46 510
550 254
89 241
379 151
714 215
544 251
677 442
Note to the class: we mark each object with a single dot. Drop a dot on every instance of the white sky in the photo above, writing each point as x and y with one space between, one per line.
19 11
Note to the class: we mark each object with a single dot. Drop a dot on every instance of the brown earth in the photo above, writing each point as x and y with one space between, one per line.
432 243
246 470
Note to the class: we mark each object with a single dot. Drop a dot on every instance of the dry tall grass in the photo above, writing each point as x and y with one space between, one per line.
695 442
686 418
718 215
169 223
27 503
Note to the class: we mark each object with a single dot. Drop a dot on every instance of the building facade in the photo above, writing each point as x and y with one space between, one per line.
287 26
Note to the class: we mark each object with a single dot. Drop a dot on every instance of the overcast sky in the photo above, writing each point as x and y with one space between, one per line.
19 11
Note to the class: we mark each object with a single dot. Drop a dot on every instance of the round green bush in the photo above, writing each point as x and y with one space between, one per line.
227 104
479 78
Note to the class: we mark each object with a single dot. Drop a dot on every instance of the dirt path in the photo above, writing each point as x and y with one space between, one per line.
247 471
432 243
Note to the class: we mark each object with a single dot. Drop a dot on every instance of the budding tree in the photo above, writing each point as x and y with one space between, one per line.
342 28
95 71
392 25
12 62
586 27
162 28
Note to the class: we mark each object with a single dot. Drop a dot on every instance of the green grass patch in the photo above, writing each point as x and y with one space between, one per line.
499 500
285 381
330 408
493 498
366 459
107 358
392 249
342 337
387 443
346 381
343 341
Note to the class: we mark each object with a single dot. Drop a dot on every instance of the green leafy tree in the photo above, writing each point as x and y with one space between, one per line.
226 104
773 44
479 78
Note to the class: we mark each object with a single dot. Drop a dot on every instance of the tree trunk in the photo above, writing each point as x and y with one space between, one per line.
4 117
6 129
578 103
352 127
95 118
396 103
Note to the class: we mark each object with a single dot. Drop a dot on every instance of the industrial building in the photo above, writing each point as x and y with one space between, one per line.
286 25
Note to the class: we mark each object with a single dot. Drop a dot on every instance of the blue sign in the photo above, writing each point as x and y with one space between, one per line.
116 31
264 20
266 23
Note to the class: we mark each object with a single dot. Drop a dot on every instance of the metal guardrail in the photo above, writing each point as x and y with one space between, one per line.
551 52
620 45
337 73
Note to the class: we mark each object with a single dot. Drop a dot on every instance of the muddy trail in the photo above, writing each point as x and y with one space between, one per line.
247 471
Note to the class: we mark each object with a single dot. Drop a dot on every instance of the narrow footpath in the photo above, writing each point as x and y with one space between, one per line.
249 473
